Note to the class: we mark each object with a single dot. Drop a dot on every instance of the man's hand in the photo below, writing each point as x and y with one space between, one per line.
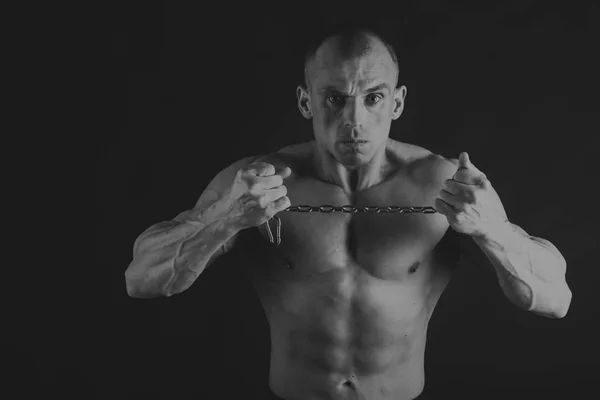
257 194
469 201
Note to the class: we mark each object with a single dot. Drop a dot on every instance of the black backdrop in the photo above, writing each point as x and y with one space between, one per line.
513 83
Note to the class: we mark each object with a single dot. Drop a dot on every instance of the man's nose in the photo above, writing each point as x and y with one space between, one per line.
354 113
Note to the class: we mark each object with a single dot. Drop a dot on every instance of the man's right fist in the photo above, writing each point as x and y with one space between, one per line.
257 194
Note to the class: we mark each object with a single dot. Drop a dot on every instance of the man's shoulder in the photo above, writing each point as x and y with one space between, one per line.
281 158
225 176
424 165
435 169
295 156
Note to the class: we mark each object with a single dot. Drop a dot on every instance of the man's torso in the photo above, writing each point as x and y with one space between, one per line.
348 297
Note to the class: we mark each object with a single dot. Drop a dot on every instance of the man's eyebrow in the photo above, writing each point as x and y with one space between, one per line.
381 86
334 89
330 89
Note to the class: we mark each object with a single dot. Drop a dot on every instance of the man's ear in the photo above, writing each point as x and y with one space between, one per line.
304 102
399 96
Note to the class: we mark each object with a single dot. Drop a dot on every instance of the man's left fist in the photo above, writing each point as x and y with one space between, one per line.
469 201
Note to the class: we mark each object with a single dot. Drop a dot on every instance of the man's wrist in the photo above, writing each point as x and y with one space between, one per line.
497 233
221 225
229 227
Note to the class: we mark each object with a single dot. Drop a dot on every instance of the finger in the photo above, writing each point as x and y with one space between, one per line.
449 186
463 160
443 207
466 192
469 177
274 194
279 205
485 183
450 199
275 180
458 188
262 169
284 173
269 182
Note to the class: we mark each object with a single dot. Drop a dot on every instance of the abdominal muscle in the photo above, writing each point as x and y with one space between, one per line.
342 333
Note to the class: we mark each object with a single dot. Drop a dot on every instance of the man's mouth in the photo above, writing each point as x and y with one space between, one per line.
355 141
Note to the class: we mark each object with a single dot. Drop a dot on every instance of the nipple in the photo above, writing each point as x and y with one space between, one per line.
413 268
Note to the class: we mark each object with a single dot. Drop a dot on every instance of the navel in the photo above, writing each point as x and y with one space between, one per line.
288 264
349 382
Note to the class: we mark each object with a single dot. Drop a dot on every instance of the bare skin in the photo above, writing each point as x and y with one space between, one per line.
350 305
348 296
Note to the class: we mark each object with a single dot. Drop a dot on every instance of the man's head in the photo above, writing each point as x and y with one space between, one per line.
351 93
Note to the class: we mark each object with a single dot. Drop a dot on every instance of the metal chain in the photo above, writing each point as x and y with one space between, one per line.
368 209
349 209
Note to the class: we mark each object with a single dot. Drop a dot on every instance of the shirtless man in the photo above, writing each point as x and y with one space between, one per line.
348 296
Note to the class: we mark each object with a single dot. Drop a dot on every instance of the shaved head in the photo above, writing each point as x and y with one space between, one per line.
351 91
345 43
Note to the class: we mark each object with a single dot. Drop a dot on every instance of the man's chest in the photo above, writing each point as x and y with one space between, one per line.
385 245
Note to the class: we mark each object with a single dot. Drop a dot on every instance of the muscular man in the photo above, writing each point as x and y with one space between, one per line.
348 296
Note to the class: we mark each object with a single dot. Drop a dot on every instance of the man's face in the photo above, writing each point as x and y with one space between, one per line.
352 102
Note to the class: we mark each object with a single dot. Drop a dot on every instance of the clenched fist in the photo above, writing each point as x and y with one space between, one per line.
257 194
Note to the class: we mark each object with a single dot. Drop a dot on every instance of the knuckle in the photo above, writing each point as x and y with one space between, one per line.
264 168
263 202
283 203
254 187
241 175
466 197
246 177
269 212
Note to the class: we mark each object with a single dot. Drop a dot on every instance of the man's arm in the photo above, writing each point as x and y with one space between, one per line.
531 271
169 256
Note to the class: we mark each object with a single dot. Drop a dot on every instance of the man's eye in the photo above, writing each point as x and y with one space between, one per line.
373 99
335 100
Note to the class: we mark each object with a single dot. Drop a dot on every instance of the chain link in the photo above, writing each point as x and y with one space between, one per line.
349 209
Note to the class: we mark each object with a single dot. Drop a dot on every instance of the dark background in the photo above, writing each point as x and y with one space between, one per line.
195 88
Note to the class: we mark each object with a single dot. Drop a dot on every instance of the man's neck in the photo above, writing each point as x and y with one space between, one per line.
351 180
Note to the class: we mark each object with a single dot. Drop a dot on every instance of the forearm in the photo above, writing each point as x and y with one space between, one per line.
531 271
169 257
